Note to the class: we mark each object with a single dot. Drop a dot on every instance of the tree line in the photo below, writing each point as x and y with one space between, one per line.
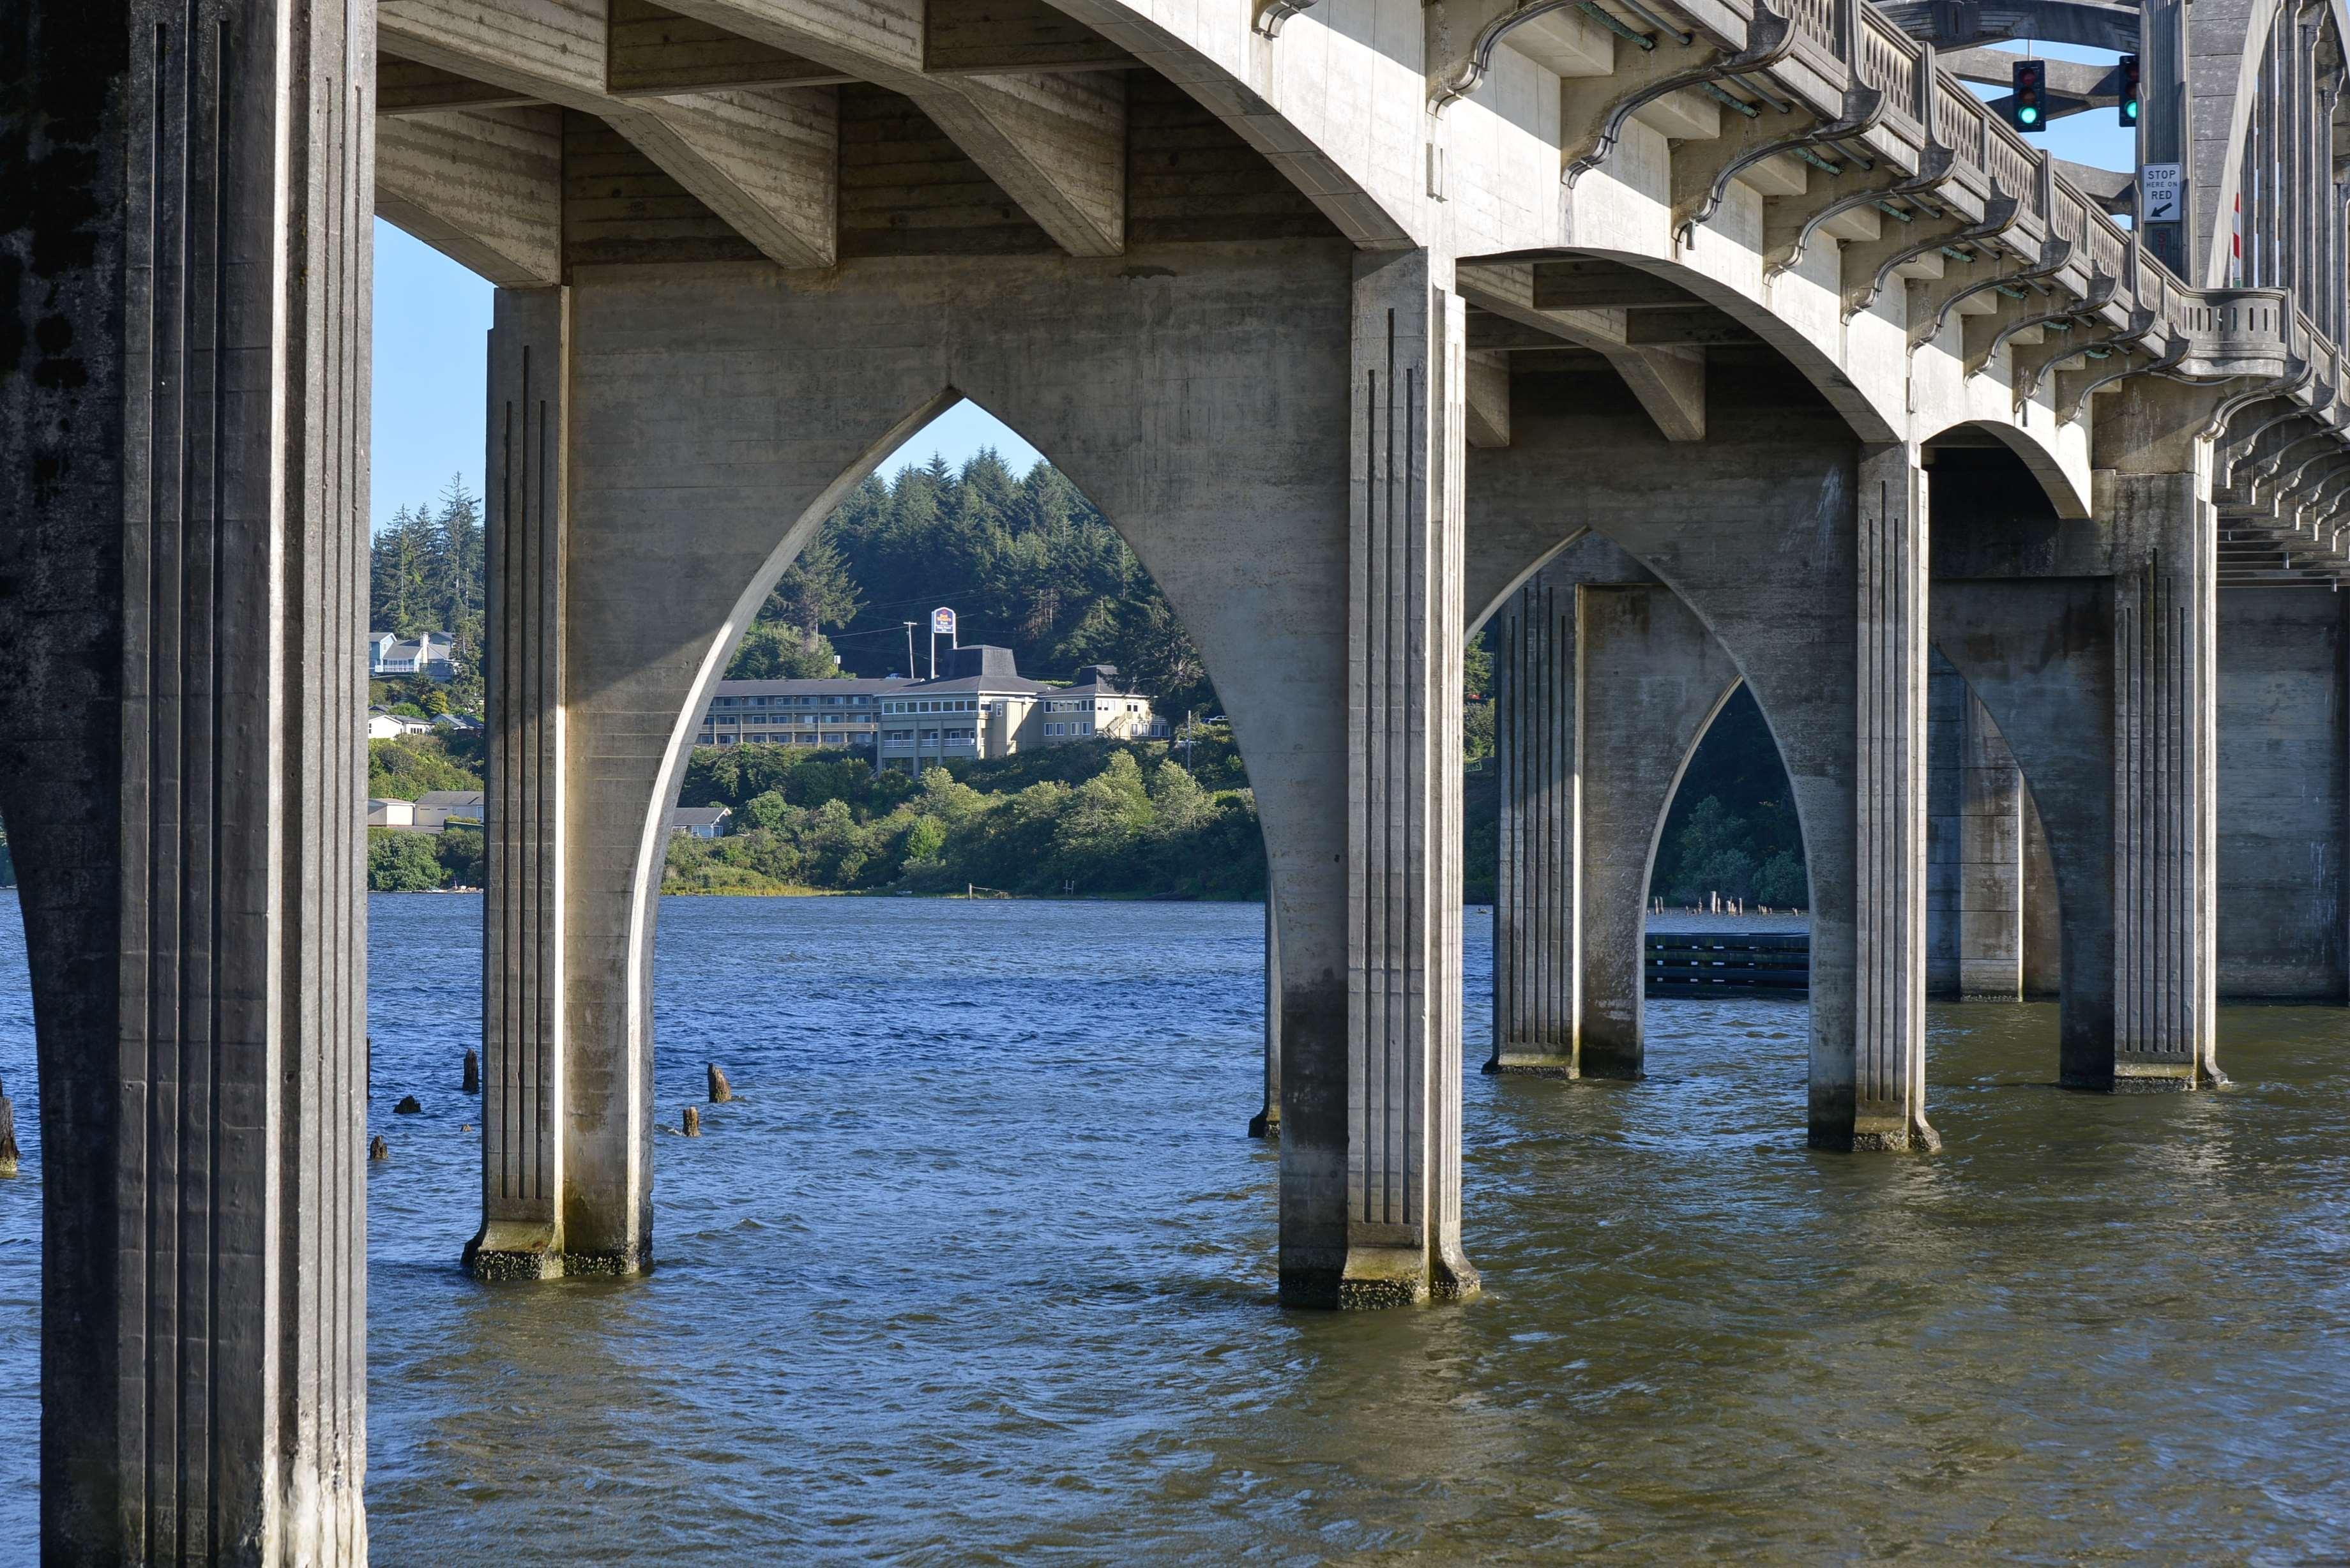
1111 819
427 572
1026 562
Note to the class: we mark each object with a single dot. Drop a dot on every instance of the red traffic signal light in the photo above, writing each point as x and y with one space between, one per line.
2027 107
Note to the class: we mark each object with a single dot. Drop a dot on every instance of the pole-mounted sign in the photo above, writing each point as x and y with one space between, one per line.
942 622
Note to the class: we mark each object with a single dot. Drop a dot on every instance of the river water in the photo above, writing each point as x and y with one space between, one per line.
980 1269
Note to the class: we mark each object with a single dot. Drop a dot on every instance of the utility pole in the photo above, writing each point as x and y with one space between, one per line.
909 648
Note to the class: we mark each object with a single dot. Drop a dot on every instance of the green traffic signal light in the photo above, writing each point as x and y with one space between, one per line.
2028 104
2128 100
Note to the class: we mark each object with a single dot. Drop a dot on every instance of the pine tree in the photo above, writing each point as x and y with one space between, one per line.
815 590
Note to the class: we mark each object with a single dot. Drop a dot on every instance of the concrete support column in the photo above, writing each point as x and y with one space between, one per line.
1991 860
1537 991
1616 681
1402 1129
1946 709
2165 690
2285 793
523 989
1266 1122
1653 678
2043 915
183 581
1711 521
1875 1097
2037 652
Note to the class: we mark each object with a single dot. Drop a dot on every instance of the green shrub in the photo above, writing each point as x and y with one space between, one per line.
401 861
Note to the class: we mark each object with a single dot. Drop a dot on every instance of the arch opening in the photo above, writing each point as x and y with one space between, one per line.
1729 888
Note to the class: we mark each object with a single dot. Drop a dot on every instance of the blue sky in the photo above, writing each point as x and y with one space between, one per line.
431 317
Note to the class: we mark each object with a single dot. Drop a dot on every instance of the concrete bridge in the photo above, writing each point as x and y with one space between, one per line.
1700 341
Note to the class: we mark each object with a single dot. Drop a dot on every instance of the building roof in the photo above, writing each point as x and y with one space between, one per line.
446 797
699 815
847 686
1014 685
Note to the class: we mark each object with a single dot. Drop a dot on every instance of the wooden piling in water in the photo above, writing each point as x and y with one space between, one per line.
472 1084
9 1155
377 1148
720 1090
692 1125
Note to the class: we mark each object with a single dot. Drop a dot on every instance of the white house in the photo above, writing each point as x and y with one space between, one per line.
428 653
383 726
700 821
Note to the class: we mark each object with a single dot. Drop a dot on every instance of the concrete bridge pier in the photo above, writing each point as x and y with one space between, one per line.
1275 428
1715 521
1982 838
184 396
2154 454
2285 793
528 1142
1606 681
2037 654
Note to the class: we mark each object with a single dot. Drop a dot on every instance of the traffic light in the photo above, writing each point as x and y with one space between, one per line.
2127 103
2028 108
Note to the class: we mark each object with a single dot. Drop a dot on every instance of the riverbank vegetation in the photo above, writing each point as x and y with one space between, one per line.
1115 819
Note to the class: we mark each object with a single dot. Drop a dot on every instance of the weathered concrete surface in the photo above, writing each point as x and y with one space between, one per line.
1808 565
1537 895
2284 803
1975 848
1653 680
1201 396
1606 684
2038 654
1266 1122
526 1118
184 393
2043 915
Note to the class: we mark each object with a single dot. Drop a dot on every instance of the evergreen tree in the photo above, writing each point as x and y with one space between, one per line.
815 590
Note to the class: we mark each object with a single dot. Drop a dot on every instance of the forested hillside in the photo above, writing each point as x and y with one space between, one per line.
425 573
1027 564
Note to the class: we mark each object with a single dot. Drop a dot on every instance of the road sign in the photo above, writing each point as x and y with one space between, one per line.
942 622
2159 189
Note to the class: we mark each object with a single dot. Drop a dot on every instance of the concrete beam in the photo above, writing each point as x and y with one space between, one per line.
997 37
1668 382
484 188
1489 399
408 86
1601 285
1055 140
765 160
653 52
